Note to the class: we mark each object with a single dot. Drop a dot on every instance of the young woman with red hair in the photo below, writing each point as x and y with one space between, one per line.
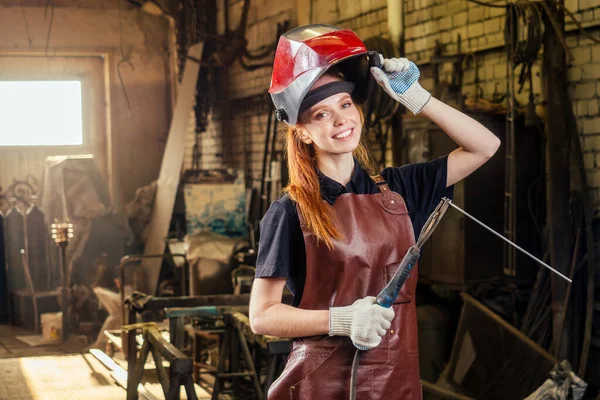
337 234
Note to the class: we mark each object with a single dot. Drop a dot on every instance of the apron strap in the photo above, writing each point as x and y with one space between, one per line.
381 183
391 201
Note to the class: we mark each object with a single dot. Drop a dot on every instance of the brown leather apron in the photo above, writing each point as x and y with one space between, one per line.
376 232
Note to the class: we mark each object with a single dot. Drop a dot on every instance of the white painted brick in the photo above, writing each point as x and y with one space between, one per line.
581 55
412 32
589 160
430 42
499 71
446 37
574 74
475 30
497 12
455 6
377 4
496 38
581 108
585 90
439 11
459 19
469 76
493 25
587 16
585 41
418 4
410 19
445 23
451 48
487 72
476 14
591 71
590 142
409 47
591 126
571 5
593 178
419 45
462 31
593 107
430 27
596 54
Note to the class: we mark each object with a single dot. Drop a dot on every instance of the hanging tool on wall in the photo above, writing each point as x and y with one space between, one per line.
389 294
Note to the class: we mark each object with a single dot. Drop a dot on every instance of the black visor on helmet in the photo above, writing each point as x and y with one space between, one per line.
315 96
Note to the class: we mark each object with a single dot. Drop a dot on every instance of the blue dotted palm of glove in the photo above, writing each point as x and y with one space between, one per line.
401 81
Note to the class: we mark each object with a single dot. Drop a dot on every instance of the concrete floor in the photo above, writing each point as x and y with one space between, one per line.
78 376
11 347
50 372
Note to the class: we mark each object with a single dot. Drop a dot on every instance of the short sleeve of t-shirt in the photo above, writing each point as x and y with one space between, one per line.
281 244
422 185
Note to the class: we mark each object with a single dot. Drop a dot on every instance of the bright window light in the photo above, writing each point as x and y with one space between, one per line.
40 113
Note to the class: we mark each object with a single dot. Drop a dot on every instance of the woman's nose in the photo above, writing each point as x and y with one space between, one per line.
340 119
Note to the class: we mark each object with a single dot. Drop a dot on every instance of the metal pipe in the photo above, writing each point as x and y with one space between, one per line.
395 14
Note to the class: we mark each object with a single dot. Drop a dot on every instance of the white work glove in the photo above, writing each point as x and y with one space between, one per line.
365 322
400 79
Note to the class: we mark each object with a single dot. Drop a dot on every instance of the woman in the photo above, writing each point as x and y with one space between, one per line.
337 234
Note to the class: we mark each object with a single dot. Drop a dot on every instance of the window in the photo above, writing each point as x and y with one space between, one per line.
40 113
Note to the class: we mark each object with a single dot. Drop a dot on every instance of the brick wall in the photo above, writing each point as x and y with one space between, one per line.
482 34
243 145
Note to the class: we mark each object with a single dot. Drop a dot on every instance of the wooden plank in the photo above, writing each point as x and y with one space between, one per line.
170 169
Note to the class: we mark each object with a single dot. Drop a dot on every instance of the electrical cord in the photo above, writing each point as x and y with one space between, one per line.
481 3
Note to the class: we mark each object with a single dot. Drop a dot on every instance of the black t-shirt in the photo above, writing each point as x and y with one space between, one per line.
281 251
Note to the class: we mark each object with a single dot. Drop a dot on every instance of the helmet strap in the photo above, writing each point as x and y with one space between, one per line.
315 96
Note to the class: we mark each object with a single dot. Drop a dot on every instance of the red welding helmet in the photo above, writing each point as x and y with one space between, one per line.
305 53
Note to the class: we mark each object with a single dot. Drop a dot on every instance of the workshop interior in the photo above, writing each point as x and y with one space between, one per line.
140 149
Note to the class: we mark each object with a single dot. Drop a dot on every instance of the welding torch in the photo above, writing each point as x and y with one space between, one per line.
389 294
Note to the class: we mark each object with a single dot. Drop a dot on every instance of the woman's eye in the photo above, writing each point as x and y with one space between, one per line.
322 115
347 105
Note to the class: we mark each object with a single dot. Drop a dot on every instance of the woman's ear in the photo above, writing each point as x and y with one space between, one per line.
305 139
303 136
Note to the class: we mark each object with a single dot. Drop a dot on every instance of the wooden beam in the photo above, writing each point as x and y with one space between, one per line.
170 169
557 164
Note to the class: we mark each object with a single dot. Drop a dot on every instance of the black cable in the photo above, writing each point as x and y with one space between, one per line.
354 373
259 54
481 3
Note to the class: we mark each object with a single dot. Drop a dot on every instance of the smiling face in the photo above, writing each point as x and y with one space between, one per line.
333 125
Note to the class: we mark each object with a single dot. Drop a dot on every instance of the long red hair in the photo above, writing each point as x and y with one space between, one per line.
304 187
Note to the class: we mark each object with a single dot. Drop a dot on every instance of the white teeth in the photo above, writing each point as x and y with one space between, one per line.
343 134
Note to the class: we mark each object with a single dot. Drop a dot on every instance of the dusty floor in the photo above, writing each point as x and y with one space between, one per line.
56 377
49 372
11 347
